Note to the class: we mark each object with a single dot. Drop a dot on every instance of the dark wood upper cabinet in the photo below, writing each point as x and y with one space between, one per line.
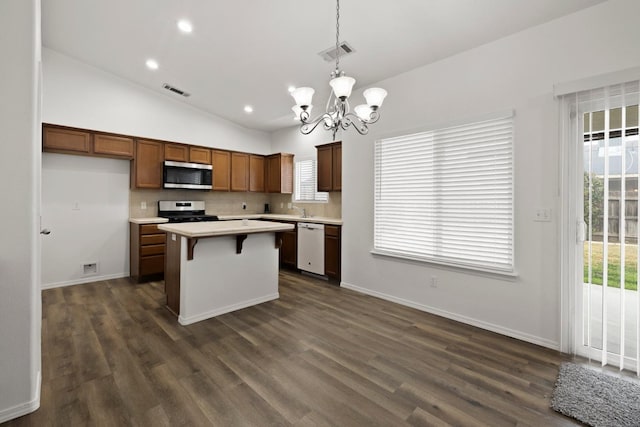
279 173
256 173
232 171
325 173
146 168
330 166
337 167
176 152
221 161
200 155
65 140
239 172
113 146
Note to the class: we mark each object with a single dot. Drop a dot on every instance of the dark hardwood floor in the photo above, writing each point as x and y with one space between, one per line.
320 355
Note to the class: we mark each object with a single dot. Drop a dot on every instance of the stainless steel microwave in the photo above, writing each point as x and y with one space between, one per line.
192 176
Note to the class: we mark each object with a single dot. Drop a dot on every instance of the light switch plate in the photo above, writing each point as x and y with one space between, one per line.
542 215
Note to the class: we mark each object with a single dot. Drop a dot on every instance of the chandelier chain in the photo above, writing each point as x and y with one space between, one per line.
337 115
337 35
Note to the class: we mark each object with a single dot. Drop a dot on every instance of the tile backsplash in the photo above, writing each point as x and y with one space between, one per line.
229 203
332 209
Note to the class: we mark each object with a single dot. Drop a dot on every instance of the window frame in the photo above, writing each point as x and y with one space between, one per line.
324 196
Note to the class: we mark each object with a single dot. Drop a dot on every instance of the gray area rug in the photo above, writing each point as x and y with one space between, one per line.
595 398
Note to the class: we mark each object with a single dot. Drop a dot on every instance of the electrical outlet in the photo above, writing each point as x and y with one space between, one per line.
281 205
244 206
143 205
434 281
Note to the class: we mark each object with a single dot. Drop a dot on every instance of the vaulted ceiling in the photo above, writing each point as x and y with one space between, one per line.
248 52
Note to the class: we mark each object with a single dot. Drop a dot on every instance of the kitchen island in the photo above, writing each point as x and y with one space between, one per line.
217 267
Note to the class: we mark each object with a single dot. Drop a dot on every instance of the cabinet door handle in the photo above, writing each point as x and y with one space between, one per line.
45 231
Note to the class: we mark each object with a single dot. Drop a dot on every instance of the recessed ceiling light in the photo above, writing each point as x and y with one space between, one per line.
152 64
185 26
291 89
248 109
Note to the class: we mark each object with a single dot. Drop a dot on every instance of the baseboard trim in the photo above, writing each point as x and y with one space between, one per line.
227 309
82 280
23 408
522 336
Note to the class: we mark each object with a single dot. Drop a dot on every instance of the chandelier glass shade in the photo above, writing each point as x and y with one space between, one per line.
338 113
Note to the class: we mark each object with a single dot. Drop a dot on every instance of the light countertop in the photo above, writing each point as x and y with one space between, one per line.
280 217
150 220
284 217
224 228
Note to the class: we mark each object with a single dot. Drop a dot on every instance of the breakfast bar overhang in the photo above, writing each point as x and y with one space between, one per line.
212 268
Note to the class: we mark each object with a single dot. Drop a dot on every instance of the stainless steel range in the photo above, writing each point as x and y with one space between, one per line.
184 211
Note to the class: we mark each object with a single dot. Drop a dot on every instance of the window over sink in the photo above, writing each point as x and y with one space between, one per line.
306 183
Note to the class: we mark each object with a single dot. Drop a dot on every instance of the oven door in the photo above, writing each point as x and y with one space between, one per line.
192 176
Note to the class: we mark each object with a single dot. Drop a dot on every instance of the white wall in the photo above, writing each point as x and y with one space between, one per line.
517 72
76 94
20 308
290 140
85 204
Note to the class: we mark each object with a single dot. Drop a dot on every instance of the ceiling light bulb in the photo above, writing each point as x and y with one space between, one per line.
303 96
374 96
185 26
363 111
152 64
248 109
291 88
342 86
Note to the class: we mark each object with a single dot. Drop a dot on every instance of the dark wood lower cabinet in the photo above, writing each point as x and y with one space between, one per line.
172 273
146 251
289 249
332 252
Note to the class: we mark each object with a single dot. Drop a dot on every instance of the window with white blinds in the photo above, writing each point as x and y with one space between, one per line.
306 183
446 196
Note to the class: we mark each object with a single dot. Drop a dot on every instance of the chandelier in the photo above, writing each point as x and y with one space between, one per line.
337 113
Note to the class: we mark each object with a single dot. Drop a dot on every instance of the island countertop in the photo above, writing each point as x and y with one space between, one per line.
224 228
284 217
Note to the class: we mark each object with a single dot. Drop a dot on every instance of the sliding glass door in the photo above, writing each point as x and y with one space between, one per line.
607 297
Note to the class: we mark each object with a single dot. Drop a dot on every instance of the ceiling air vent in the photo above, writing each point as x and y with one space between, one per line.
330 54
176 90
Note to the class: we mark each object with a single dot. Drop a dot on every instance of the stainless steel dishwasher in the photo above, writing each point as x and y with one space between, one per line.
311 247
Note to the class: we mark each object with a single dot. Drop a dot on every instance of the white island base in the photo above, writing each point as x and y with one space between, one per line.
217 279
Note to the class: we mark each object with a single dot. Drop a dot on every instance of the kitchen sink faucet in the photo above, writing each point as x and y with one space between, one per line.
303 210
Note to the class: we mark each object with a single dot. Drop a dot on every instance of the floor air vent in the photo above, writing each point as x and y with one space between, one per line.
330 54
176 90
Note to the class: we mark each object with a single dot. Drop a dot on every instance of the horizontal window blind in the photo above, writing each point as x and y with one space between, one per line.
447 195
306 183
